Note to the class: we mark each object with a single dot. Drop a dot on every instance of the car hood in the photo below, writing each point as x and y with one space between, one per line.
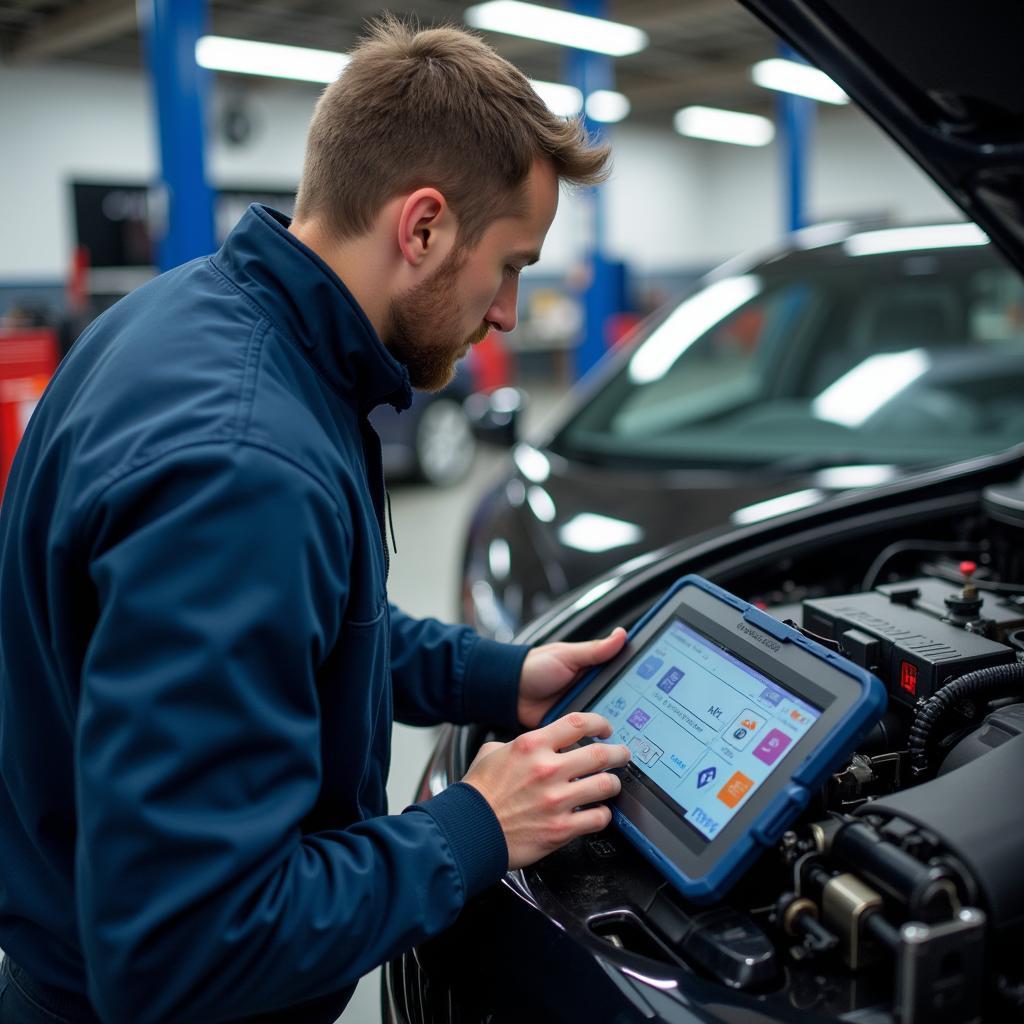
942 78
581 520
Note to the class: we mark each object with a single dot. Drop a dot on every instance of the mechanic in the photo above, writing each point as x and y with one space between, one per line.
198 653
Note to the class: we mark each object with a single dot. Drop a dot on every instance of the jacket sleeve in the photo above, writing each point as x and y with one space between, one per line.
221 582
452 674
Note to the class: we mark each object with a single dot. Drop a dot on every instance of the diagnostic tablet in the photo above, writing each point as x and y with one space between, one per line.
733 720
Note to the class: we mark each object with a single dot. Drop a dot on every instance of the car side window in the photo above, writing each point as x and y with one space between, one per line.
996 312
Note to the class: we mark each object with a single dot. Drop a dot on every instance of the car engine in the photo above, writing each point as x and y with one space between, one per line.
913 860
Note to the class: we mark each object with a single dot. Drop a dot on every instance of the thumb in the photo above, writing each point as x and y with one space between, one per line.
594 652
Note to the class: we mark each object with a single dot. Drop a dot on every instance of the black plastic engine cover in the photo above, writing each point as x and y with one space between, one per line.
976 813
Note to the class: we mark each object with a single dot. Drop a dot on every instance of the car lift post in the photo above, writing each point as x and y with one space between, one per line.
590 72
796 118
181 205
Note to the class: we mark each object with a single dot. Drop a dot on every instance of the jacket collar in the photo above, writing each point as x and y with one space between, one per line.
312 308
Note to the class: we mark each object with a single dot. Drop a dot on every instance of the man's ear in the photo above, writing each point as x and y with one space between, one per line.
426 228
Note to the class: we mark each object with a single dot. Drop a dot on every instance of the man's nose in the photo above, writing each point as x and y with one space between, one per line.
502 314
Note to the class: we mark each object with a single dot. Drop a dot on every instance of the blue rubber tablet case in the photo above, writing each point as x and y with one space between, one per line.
734 719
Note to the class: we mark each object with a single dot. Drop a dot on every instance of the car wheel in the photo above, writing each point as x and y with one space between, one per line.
445 445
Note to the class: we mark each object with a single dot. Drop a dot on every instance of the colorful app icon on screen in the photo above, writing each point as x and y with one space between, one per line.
771 748
649 666
735 789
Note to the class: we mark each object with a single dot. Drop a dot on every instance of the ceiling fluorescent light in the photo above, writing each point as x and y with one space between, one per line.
858 394
724 126
799 79
567 101
841 478
247 57
932 236
591 532
687 322
777 506
533 464
562 100
607 106
554 26
541 504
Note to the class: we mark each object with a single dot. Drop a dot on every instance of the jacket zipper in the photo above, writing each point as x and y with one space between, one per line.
379 492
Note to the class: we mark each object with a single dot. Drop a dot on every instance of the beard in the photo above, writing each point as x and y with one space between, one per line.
423 324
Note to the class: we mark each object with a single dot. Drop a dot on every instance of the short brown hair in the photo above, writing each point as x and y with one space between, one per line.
439 108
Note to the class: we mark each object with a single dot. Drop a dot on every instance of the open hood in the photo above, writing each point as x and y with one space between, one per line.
942 77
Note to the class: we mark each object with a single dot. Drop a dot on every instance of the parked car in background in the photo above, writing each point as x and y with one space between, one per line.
434 440
841 360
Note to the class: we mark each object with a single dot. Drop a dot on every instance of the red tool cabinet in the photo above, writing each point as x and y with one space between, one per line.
27 360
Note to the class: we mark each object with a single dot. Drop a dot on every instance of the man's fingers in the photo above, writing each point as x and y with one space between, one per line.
543 797
593 819
571 728
594 789
594 757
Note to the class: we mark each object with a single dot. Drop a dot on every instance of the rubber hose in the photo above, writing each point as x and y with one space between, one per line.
995 678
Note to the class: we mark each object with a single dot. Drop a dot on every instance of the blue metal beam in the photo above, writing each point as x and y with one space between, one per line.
180 89
796 118
602 297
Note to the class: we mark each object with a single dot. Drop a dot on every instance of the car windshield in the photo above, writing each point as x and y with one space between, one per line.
822 357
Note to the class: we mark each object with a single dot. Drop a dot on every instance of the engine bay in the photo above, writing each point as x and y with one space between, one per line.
898 890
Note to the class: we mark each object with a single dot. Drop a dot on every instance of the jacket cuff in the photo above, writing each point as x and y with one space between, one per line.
474 836
491 688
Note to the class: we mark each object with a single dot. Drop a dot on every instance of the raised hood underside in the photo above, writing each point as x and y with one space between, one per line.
943 77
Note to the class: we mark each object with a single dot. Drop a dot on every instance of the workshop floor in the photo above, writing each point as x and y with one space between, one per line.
430 525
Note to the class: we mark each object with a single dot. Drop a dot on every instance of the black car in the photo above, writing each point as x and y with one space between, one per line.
433 439
896 895
839 361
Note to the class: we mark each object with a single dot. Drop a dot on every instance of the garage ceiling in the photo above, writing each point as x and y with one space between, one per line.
700 50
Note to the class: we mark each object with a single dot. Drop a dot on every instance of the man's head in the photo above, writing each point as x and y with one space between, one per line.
435 159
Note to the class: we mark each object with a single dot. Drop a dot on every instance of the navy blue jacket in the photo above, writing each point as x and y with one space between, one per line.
199 666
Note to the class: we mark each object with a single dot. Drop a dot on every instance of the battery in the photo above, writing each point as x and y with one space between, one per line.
916 653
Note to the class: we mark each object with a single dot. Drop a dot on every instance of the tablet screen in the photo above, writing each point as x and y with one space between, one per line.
703 726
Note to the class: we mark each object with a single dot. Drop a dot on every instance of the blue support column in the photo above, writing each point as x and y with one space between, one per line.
602 297
180 87
796 119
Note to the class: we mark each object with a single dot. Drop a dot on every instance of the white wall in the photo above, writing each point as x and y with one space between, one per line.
61 123
653 203
672 203
855 170
859 169
56 125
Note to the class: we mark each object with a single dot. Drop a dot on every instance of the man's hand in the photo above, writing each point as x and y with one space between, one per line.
548 671
534 789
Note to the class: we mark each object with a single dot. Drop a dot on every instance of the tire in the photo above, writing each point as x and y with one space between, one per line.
444 443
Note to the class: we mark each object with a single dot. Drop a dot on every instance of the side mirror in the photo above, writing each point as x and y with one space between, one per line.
495 416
